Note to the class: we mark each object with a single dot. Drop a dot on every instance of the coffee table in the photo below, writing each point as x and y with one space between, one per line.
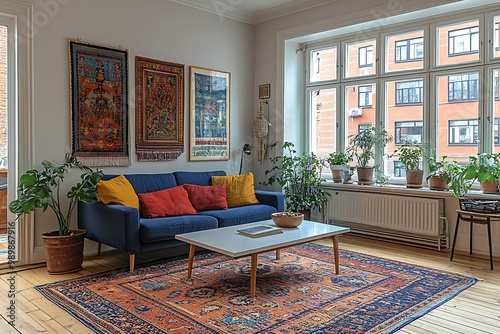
228 241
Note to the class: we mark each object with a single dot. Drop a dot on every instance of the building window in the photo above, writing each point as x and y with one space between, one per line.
365 56
362 127
495 87
463 87
464 40
399 169
408 131
409 92
463 132
365 96
497 36
410 50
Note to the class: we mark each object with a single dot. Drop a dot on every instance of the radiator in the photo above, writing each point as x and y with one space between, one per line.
402 218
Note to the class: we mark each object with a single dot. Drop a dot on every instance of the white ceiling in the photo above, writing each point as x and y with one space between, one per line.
253 11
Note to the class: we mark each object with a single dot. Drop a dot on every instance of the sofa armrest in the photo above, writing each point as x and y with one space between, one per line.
110 224
273 198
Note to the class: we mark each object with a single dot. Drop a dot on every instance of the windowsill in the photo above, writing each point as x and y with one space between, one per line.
402 190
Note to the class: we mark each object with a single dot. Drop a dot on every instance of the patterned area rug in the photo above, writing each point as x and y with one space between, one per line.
297 294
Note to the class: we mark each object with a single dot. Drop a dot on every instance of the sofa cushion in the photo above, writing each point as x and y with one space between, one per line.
198 178
239 189
161 229
117 190
241 215
207 197
146 183
168 202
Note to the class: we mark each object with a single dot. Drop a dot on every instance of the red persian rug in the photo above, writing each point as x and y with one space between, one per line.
297 294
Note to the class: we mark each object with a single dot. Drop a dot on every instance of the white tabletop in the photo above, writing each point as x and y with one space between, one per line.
227 241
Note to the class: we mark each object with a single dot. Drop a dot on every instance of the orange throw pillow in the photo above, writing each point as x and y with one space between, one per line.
117 190
207 197
239 189
168 202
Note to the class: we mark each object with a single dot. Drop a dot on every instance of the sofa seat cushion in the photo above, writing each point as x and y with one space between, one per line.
161 229
241 215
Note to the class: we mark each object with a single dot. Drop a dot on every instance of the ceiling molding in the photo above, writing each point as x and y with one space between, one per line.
218 7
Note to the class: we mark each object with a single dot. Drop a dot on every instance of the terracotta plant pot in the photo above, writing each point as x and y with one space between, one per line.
365 175
437 183
414 178
64 254
336 173
489 187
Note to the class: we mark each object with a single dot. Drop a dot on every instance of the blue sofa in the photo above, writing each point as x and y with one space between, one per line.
123 227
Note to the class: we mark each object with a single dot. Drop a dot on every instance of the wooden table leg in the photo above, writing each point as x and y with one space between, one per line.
336 253
253 275
278 254
191 258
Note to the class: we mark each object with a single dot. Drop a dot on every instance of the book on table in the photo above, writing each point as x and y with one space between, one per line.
260 230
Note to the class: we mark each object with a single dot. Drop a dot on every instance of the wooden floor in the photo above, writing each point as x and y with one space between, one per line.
476 310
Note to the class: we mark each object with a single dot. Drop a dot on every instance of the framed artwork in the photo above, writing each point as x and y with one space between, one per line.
265 91
209 114
159 108
99 104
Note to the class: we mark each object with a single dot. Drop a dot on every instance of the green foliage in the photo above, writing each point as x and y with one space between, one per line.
362 146
439 168
410 154
299 177
41 189
339 158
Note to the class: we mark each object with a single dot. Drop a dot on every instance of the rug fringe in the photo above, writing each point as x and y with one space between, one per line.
104 161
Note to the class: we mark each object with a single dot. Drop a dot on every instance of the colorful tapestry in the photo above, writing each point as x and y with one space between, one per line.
99 104
298 293
159 109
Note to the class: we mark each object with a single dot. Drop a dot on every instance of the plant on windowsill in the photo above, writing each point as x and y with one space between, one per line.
41 189
486 168
438 172
362 149
410 154
338 162
299 177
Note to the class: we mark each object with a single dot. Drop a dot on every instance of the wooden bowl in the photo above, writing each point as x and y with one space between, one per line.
287 219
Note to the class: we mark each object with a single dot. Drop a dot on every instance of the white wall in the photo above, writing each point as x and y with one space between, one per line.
158 29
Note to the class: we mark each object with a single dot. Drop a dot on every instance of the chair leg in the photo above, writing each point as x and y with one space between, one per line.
489 243
455 237
131 262
99 249
470 238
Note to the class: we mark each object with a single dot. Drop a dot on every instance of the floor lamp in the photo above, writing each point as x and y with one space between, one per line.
247 149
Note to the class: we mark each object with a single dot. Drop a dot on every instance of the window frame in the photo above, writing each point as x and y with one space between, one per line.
470 34
408 52
366 57
420 93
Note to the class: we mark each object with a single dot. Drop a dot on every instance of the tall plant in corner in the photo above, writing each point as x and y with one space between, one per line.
42 189
299 177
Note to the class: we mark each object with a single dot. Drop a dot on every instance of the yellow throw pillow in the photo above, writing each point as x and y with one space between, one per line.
239 189
118 190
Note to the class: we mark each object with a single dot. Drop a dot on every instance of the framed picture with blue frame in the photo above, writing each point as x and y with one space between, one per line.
209 108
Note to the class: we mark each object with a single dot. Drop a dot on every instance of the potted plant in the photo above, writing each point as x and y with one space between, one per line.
486 168
438 172
300 179
362 148
41 189
338 162
410 154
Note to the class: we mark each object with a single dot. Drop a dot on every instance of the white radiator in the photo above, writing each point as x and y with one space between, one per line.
402 218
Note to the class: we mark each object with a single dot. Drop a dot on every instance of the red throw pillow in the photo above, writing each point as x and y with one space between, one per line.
207 197
168 202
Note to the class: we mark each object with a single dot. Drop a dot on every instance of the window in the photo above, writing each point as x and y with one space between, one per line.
399 169
365 96
496 35
409 92
362 127
408 131
495 86
365 56
463 41
410 50
462 87
463 132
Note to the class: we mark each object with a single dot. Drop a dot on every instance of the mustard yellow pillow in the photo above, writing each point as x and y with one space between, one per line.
118 190
239 189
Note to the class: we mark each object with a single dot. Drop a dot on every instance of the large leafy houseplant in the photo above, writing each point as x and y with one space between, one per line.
362 146
410 154
42 189
299 177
